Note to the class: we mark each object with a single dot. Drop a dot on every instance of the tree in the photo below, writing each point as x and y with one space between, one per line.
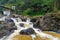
32 7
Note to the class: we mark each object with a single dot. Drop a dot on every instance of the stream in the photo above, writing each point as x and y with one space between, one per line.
29 25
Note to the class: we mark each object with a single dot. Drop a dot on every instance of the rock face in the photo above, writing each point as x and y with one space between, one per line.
6 28
49 22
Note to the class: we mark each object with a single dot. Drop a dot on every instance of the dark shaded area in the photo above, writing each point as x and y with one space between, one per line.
27 31
21 25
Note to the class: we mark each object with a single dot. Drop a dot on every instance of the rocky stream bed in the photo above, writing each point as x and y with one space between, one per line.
49 23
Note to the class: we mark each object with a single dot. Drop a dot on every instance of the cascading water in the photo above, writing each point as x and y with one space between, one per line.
43 35
16 32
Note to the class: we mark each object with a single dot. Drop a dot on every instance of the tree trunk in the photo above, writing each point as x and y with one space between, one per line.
55 5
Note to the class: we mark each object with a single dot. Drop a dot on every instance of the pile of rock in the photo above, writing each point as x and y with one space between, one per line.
6 28
49 22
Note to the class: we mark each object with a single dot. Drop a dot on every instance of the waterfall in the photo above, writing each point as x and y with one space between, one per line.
38 32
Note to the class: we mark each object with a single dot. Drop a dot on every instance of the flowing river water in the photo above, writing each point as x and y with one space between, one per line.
16 32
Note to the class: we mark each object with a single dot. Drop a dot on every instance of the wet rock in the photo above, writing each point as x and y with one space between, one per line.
36 22
24 19
21 25
29 31
8 20
6 28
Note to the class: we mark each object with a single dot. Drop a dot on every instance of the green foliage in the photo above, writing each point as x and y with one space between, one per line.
30 7
25 12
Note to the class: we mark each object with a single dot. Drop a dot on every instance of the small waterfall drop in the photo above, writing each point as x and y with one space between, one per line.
16 32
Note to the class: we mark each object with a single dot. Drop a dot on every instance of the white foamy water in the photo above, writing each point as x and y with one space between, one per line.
16 32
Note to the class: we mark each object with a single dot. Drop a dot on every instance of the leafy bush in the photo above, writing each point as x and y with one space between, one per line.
31 7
